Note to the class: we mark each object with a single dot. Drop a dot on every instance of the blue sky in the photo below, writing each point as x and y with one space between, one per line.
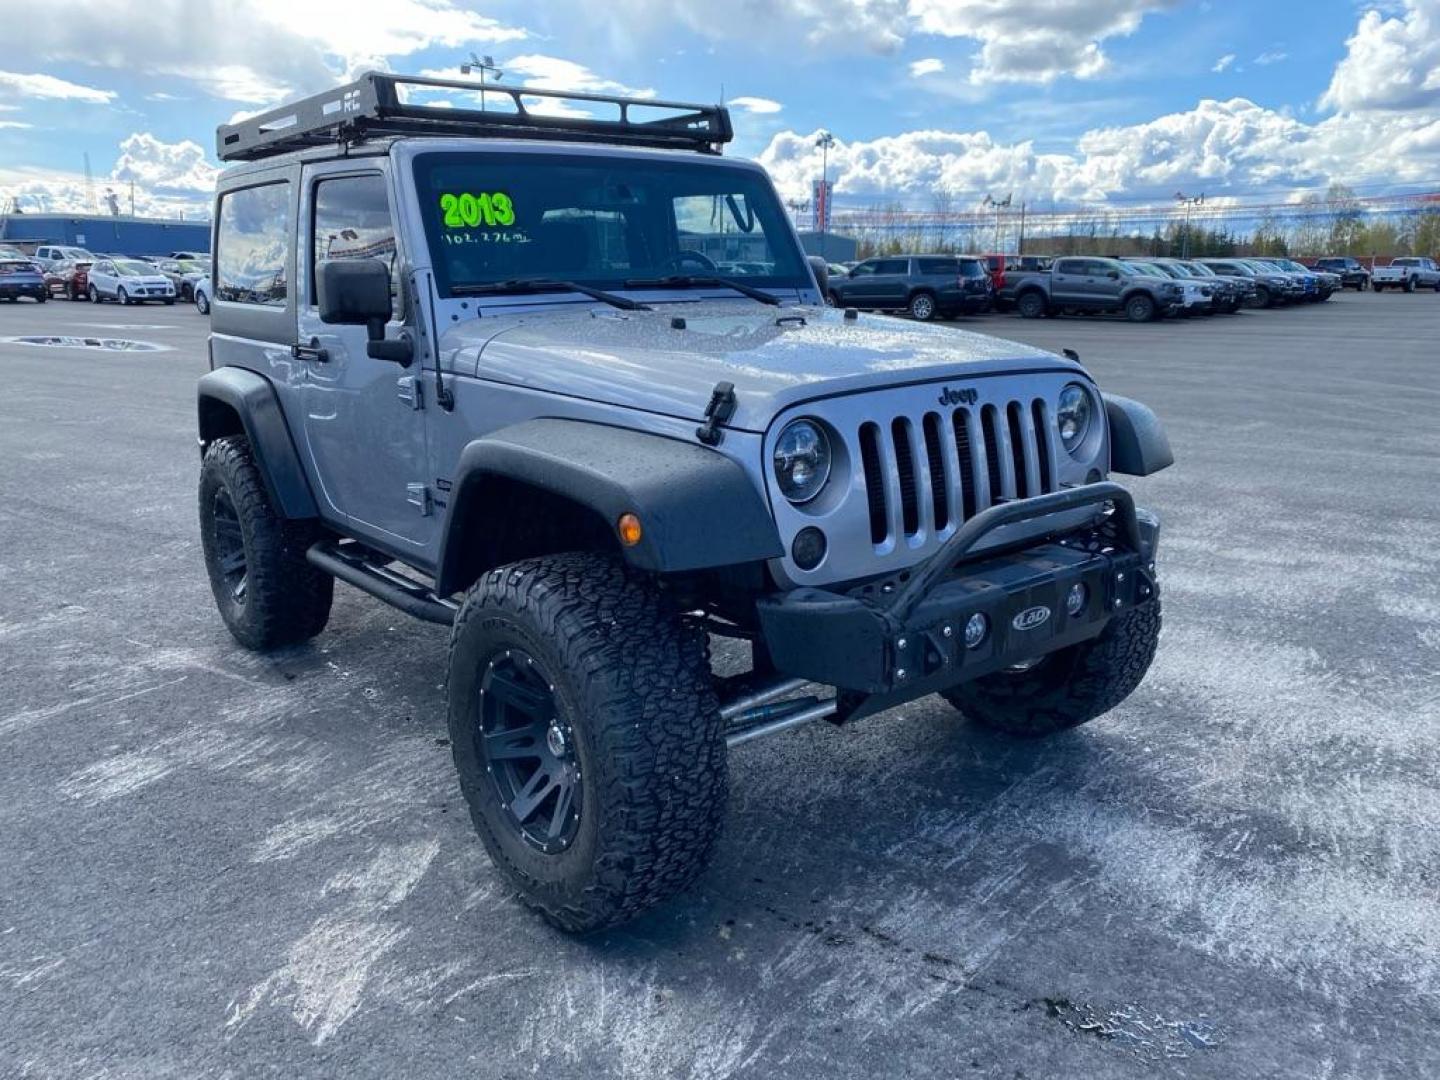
1065 101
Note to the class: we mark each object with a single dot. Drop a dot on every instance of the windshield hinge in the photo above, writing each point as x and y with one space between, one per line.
720 409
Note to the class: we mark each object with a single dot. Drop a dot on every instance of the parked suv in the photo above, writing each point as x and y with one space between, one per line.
127 280
1272 288
484 370
926 286
1091 284
1353 273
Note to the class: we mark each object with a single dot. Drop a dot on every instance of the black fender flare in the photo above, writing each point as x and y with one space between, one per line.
252 398
1138 443
698 509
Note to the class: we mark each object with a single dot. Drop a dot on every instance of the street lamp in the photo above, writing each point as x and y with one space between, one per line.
824 142
1189 202
482 64
999 205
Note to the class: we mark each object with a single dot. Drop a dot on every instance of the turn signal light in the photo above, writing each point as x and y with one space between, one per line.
629 528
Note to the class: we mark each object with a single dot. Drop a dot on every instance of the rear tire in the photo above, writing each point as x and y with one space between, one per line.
610 665
267 593
202 303
1067 688
922 307
1031 305
1140 309
1409 285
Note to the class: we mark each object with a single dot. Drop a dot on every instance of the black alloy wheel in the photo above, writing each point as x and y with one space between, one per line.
528 749
229 548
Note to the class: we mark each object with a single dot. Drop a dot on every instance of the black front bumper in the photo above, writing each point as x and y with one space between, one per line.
891 641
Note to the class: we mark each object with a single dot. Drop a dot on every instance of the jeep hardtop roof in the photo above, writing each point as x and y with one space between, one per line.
380 105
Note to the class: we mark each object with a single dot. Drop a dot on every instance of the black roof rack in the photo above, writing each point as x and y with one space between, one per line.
379 104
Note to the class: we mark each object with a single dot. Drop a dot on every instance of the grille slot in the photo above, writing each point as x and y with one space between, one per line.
874 481
934 454
1042 445
1013 414
988 424
905 467
927 472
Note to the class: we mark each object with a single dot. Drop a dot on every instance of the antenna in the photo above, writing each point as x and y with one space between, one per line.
89 185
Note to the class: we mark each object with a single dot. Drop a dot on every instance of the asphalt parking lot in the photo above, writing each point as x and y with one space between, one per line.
219 865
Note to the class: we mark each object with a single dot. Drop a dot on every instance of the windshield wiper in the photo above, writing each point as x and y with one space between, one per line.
687 281
528 285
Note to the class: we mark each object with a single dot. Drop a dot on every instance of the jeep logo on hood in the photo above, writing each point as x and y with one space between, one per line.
967 396
1031 617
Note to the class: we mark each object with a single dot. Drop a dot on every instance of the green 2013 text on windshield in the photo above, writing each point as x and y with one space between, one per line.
466 210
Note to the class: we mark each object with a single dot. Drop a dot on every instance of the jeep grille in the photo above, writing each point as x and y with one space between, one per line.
924 475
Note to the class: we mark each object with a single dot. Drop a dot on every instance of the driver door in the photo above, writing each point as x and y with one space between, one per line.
364 418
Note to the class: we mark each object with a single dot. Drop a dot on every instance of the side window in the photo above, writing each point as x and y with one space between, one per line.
865 269
352 221
893 266
254 245
939 266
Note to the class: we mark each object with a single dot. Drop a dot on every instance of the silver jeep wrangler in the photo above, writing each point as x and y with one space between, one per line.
547 369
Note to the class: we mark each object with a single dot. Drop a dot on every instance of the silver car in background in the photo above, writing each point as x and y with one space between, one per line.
129 281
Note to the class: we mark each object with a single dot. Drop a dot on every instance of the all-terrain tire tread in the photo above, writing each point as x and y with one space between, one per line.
287 600
1093 678
643 678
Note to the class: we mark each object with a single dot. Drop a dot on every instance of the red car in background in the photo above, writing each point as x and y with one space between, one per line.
68 279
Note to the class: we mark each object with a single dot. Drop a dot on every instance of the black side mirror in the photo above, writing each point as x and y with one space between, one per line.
355 292
821 269
1113 275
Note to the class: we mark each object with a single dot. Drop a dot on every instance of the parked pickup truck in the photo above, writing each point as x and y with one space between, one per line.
1408 274
1087 284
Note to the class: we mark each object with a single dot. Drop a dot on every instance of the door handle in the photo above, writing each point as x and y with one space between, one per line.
313 351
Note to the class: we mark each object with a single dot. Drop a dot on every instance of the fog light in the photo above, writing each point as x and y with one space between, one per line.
808 548
1075 598
975 629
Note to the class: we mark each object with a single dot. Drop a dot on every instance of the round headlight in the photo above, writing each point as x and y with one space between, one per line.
802 460
1073 415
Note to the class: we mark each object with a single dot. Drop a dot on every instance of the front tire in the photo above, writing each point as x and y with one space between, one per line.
122 296
1067 688
94 295
578 695
267 593
1140 309
1031 305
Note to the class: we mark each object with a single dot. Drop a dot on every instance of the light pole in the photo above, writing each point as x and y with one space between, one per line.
482 64
1189 202
998 204
824 142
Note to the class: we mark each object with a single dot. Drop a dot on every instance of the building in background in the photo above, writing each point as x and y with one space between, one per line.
104 233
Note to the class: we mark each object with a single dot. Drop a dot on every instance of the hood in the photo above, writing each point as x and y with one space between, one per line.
775 357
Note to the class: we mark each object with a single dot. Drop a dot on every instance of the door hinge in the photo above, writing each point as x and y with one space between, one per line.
411 391
418 496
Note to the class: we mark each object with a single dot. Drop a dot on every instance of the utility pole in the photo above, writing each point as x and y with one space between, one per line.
132 198
482 64
824 142
1020 245
1189 202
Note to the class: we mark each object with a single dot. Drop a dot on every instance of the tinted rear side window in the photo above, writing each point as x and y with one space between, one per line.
892 266
254 245
939 266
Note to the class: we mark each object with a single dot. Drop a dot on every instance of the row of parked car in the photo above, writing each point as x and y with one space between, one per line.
73 273
1140 288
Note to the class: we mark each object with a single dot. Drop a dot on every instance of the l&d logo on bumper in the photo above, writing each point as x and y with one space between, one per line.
1031 617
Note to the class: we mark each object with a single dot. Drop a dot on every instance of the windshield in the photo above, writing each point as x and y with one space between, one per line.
601 221
1146 268
132 268
1200 270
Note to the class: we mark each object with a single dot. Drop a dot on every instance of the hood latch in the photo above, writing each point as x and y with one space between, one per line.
720 409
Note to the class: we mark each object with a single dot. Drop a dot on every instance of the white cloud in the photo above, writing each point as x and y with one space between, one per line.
755 104
256 52
1034 41
47 86
1224 62
14 124
164 168
1390 63
554 73
1217 145
929 66
1271 56
60 191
